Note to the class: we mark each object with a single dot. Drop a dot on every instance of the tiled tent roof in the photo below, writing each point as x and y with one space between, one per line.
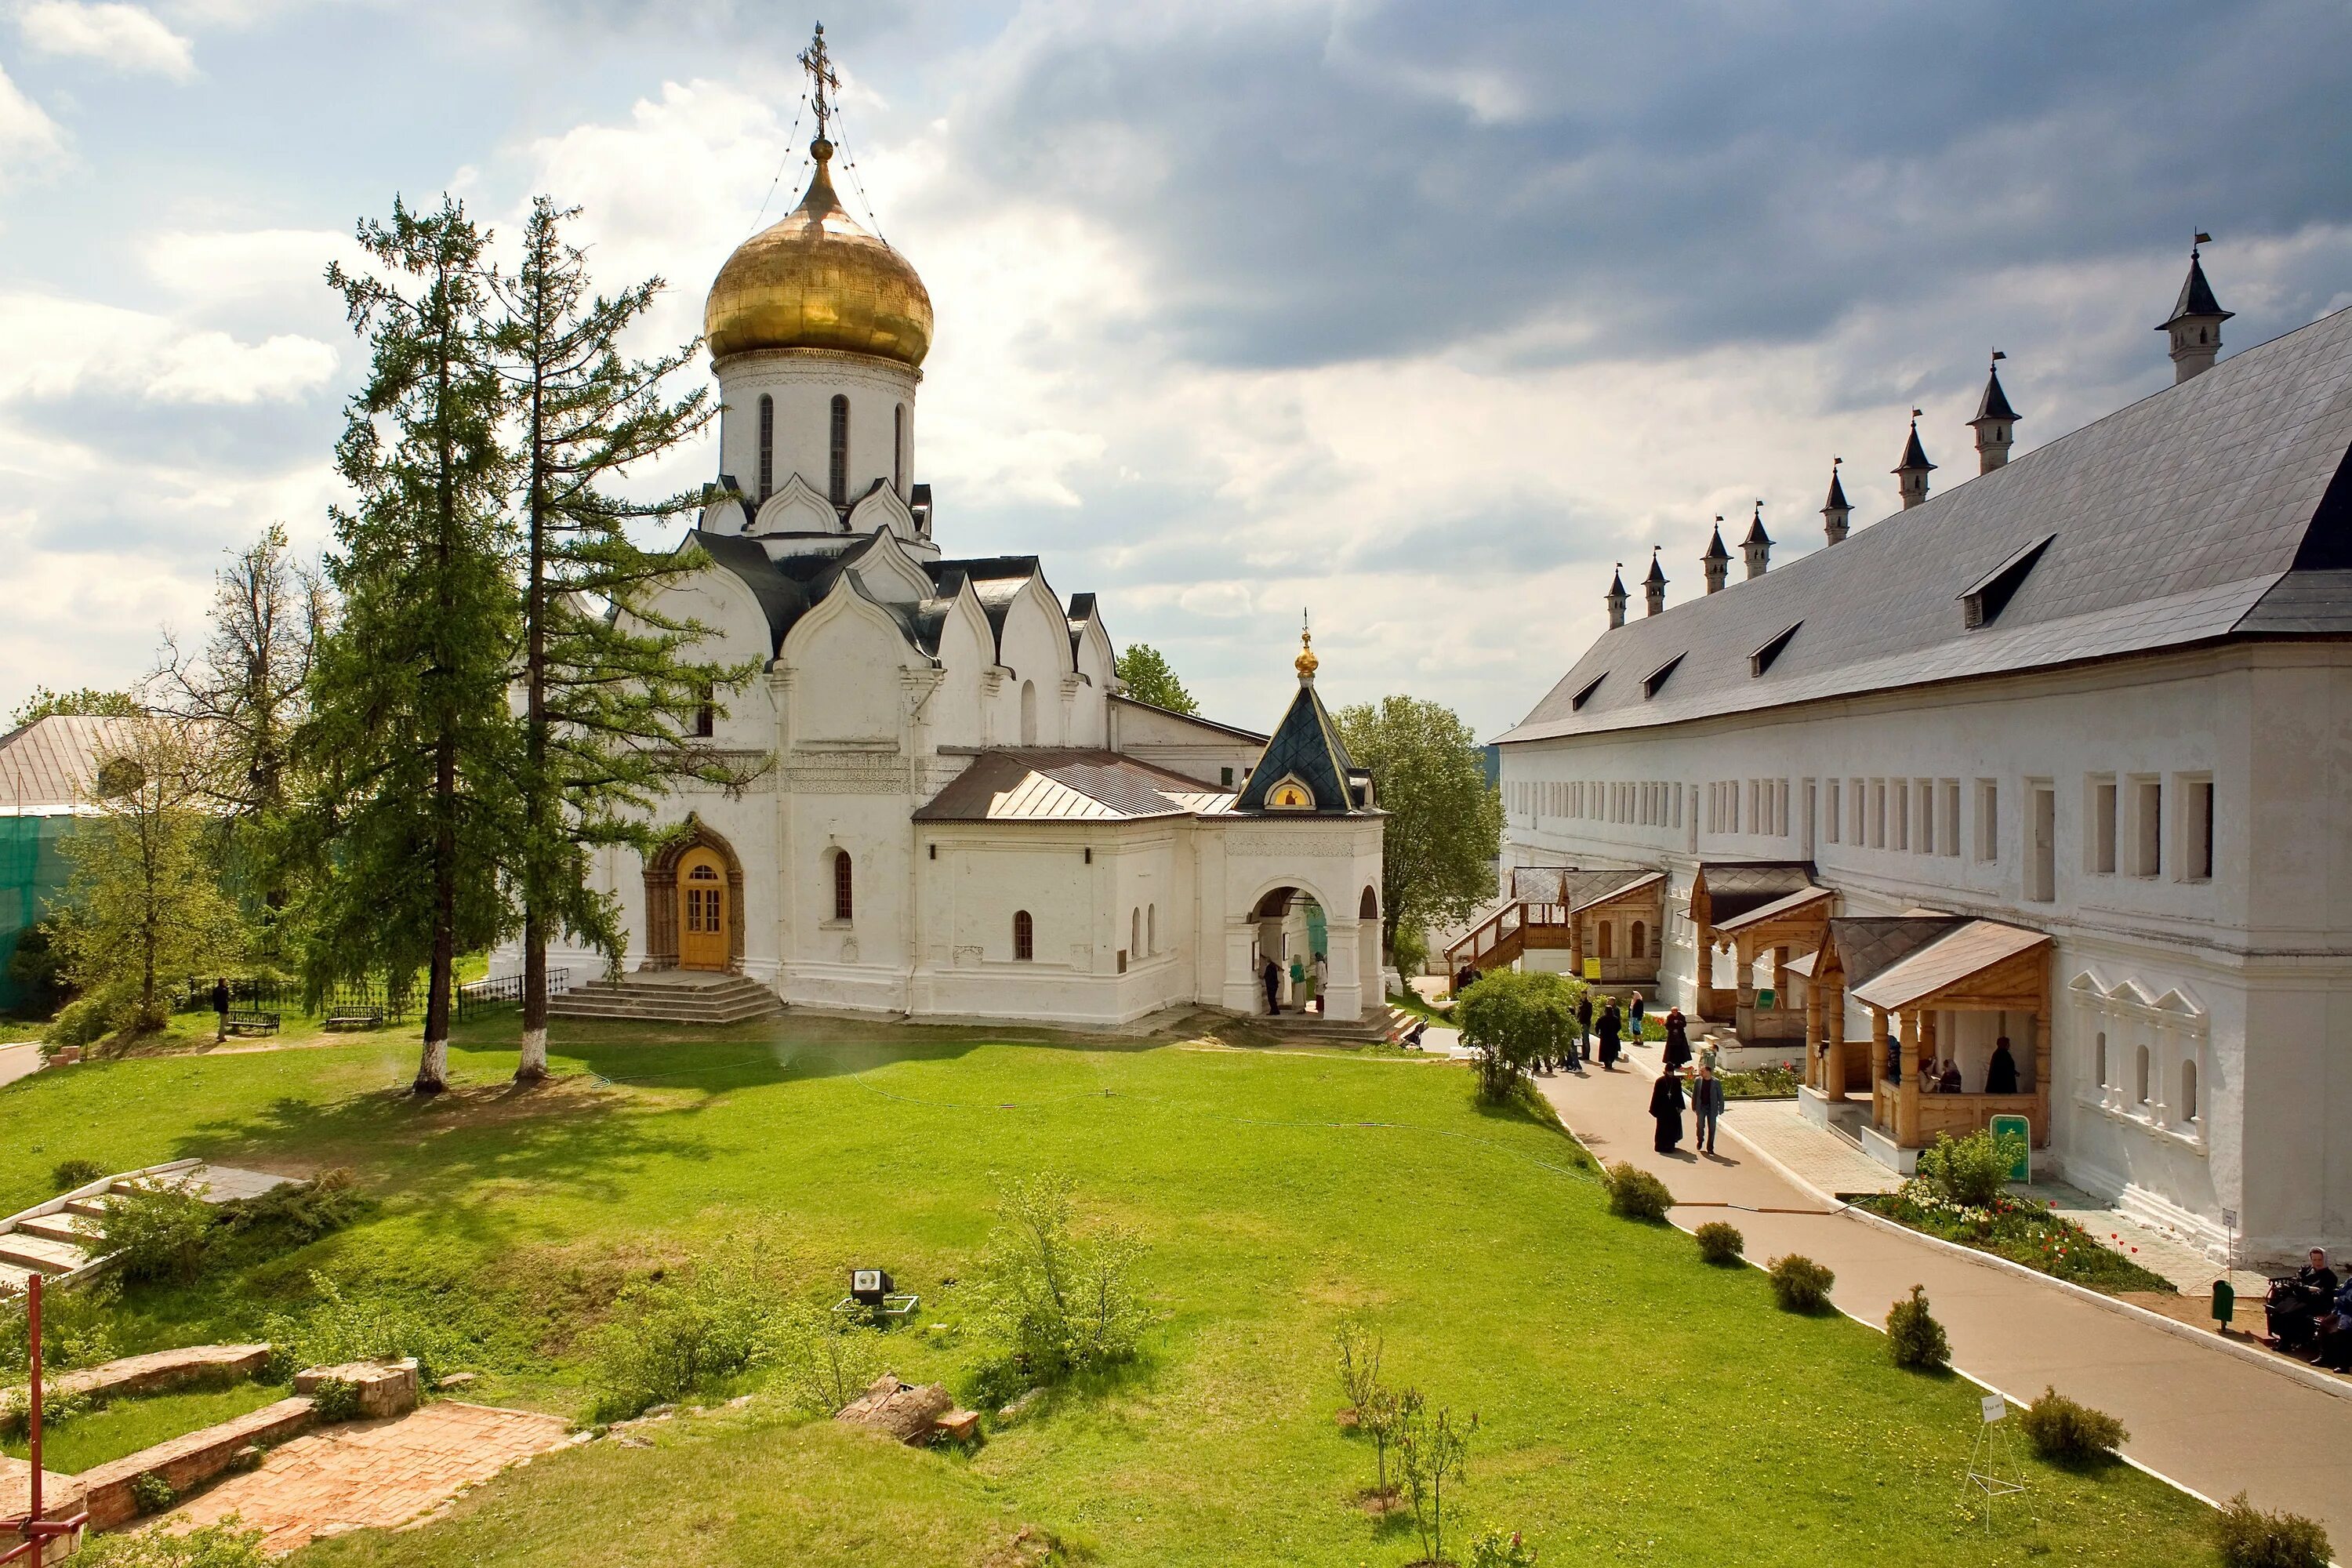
1970 948
1306 746
1727 925
1994 404
2172 521
2196 296
1041 784
1736 887
51 764
1868 946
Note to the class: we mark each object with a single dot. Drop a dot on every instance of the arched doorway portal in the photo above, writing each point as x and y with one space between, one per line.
1293 947
694 902
702 903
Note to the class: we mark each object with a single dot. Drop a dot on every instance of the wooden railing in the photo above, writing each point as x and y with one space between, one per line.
1507 933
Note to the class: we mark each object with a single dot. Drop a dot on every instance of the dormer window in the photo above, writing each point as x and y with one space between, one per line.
1576 703
1982 602
1659 677
1290 795
1762 660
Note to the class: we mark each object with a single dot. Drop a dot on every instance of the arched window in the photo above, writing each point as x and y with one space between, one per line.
1028 713
2188 1091
1368 908
1601 950
1151 928
705 712
899 450
1634 944
845 903
1025 936
840 469
1135 933
2099 1058
767 446
2140 1081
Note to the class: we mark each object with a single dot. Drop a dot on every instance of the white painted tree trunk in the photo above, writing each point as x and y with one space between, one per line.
533 1065
433 1067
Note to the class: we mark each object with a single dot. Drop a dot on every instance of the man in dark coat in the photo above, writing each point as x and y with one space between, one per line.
1584 1025
220 1009
1666 1106
1706 1107
2295 1304
1271 977
1608 1026
1677 1052
2001 1078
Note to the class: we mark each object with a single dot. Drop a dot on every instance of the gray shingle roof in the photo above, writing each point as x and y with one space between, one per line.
2218 506
1039 783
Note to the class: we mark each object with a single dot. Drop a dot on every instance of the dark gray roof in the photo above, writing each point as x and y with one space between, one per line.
996 582
1715 550
1994 404
1306 745
782 599
1736 887
1657 573
2196 297
1915 455
1755 535
1867 947
2219 507
1837 494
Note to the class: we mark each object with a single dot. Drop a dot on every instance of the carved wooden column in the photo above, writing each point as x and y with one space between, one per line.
1833 1020
1816 1059
1906 1099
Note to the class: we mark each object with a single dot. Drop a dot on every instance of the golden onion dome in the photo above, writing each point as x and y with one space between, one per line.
817 281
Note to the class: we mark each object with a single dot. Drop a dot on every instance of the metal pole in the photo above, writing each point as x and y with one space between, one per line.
32 1324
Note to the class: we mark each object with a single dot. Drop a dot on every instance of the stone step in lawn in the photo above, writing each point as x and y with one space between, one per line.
160 1370
190 1461
38 1252
73 1229
13 1278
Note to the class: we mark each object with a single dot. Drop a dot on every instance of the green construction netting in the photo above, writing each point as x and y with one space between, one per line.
32 871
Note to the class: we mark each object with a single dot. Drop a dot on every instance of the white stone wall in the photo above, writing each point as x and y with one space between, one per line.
2257 957
803 382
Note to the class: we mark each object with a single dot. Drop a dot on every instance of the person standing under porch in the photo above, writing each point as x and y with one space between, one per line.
1270 978
2000 1075
1666 1109
1706 1106
1322 982
1301 987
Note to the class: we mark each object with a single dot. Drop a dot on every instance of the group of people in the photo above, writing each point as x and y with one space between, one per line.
1600 1034
1307 984
2001 1073
2310 1313
1691 1081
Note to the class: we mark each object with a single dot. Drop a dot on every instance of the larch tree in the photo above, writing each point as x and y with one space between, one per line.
410 738
142 904
1445 831
241 698
1148 677
613 701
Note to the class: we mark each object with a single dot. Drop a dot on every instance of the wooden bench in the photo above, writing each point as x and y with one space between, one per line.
354 1018
249 1022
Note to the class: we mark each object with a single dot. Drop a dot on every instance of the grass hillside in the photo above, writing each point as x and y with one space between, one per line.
1634 1405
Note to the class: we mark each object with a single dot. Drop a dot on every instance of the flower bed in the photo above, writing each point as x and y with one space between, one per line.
1775 1080
2021 1230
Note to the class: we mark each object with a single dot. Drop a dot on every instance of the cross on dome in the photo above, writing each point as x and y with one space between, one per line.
819 66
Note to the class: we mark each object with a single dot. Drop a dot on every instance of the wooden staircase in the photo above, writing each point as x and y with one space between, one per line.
1498 941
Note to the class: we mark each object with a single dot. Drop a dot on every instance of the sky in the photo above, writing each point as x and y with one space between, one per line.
1416 318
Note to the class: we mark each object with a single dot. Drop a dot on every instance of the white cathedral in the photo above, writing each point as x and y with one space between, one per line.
953 807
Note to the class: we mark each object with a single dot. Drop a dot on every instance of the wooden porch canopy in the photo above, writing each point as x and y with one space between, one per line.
1723 892
1914 967
1787 927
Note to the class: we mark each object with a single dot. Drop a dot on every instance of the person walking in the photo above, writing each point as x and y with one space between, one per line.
1706 1106
1634 1014
1666 1109
1608 1026
220 1009
1270 978
1583 1026
1677 1053
1677 1028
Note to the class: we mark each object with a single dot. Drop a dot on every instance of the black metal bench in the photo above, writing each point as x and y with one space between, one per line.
250 1021
354 1018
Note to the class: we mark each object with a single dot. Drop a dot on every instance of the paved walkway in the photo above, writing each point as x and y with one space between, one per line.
20 1060
2203 1416
373 1474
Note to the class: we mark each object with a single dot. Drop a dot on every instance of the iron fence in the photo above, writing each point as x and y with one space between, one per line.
275 994
478 997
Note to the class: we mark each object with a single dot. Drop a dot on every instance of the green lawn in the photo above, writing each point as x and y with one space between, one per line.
126 1426
1635 1406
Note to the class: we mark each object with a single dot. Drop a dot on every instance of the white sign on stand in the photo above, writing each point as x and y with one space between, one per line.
1995 1407
1992 1464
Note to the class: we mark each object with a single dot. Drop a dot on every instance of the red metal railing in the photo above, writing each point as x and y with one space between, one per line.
38 1532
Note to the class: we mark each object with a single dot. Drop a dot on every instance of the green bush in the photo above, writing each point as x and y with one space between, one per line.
299 1213
1914 1337
77 1329
335 1399
1495 1548
72 1173
2249 1538
821 1360
1514 1020
1800 1284
345 1328
220 1545
1969 1171
84 1020
159 1233
1720 1242
150 1493
1637 1195
2062 1430
1060 1302
672 1338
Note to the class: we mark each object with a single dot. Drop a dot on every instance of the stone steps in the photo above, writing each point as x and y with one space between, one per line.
669 997
41 1253
190 1461
73 1229
63 1238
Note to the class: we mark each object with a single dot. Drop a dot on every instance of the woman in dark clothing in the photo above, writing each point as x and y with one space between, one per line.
1608 1026
1678 1051
1584 1025
2001 1078
1666 1106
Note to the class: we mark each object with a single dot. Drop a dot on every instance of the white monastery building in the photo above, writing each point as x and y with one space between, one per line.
2062 754
952 808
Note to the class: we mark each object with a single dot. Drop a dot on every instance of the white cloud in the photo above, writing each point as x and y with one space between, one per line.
249 264
213 367
128 38
29 139
52 348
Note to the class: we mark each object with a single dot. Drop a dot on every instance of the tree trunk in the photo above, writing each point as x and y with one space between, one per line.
538 799
433 1067
533 1065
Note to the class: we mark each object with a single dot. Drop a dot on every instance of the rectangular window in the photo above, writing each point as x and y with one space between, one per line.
1899 813
1831 821
2099 800
1951 839
2196 854
2041 841
1734 792
1857 801
1780 806
1927 817
1988 820
1878 814
2148 827
1678 805
1225 777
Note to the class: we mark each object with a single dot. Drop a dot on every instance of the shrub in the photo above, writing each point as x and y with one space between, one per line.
84 1019
1359 1362
2249 1538
1720 1242
335 1399
1059 1301
1800 1284
822 1359
674 1337
150 1493
222 1545
1495 1548
345 1328
1969 1171
2062 1430
299 1213
1637 1193
72 1173
1513 1020
1431 1451
159 1233
1914 1337
77 1329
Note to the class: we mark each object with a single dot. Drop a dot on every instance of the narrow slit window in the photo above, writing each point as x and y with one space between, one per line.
839 471
767 446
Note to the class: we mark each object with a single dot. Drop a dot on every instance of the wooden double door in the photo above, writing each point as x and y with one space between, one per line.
702 911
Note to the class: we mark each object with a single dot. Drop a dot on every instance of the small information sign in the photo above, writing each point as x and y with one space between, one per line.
2024 1128
1593 969
1995 1406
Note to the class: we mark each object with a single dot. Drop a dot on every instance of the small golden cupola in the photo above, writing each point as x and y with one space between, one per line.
818 279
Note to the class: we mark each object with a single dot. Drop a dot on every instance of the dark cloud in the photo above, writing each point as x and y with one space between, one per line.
1312 186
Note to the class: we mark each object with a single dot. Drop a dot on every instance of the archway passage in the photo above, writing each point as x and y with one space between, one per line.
1294 942
702 911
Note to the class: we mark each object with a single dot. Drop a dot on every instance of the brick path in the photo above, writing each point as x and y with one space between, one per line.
2197 1413
373 1474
